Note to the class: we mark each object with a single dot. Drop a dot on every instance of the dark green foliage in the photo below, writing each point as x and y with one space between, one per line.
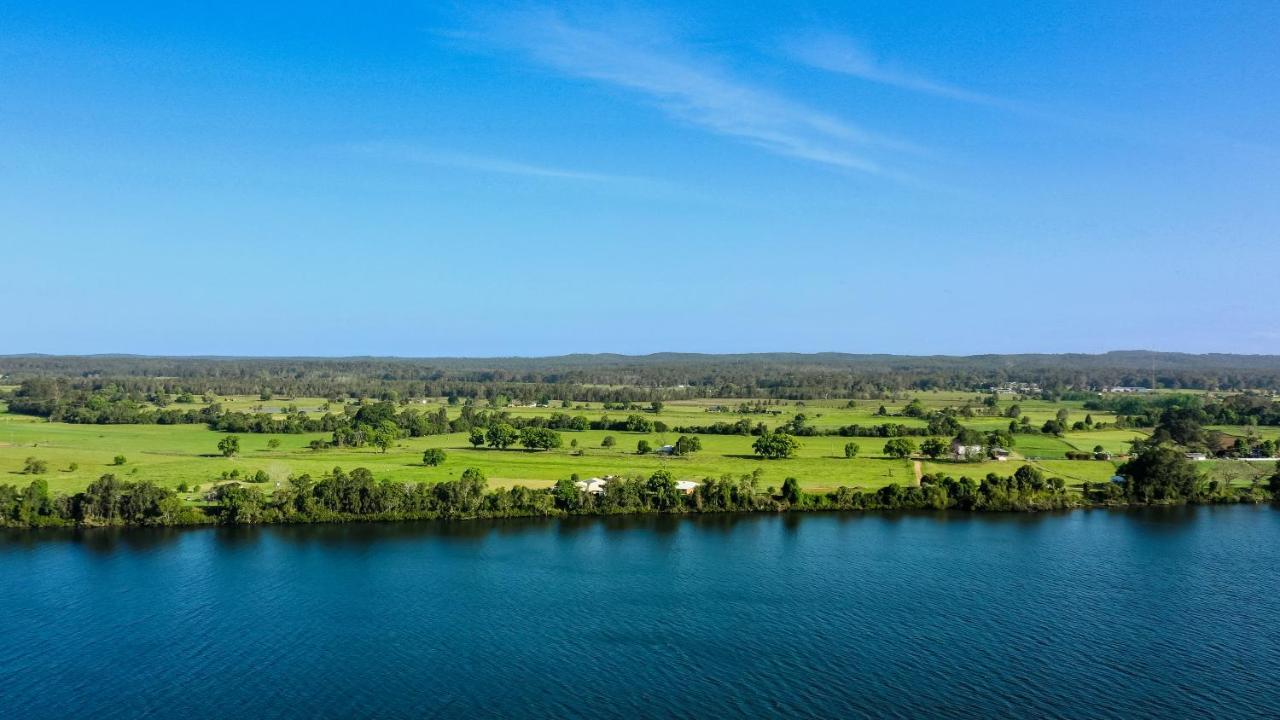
775 446
899 447
34 466
501 436
686 444
1159 472
539 438
432 457
229 446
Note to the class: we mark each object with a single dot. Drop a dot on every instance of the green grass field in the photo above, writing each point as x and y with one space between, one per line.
174 454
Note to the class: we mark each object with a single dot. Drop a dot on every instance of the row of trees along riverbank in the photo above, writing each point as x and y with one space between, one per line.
1158 474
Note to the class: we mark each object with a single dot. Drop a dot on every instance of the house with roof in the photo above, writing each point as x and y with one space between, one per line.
961 451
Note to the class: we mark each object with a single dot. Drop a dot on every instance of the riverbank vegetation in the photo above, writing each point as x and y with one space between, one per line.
1158 474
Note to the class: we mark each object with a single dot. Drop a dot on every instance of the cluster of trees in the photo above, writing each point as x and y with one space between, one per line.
107 501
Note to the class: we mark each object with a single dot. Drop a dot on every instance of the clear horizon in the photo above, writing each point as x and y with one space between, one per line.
528 180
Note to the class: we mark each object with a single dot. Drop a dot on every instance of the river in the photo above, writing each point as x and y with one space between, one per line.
1152 613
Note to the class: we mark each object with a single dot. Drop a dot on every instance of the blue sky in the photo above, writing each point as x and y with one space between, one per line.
524 179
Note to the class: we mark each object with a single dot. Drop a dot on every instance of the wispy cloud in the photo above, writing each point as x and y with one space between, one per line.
480 163
691 88
839 54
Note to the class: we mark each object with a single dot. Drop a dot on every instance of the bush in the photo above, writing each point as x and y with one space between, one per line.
35 466
609 442
431 457
119 460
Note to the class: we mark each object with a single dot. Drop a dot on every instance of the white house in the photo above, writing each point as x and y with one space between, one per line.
594 485
963 452
686 486
1197 456
1000 454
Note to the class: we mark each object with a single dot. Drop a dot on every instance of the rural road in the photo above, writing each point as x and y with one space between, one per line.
919 471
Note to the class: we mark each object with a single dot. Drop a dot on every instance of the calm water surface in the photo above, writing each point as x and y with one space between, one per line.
1172 613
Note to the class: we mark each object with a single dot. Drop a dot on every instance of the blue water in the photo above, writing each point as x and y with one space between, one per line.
1167 613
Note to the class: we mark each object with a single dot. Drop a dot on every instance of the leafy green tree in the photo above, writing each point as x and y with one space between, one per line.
431 457
656 406
229 446
643 447
539 438
35 466
384 438
687 444
791 491
1160 472
476 438
608 441
899 447
915 408
119 460
501 436
851 450
273 443
775 446
934 448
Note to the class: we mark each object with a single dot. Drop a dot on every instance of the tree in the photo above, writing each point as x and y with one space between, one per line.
501 436
476 438
851 450
608 441
687 444
643 447
899 447
934 448
1052 427
1160 472
384 438
431 457
539 438
273 443
1013 411
119 460
35 466
229 445
656 406
775 446
791 491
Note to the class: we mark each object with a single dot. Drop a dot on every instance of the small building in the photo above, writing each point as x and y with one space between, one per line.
686 487
964 452
594 485
1102 455
1197 456
666 450
1000 454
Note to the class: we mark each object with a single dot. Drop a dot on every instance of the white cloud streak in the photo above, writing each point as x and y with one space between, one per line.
693 90
838 54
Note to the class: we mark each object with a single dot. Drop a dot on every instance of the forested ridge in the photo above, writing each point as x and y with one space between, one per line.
604 377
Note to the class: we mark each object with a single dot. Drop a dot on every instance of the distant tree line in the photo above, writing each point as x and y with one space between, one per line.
644 379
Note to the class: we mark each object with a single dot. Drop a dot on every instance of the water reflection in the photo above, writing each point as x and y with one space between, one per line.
109 540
